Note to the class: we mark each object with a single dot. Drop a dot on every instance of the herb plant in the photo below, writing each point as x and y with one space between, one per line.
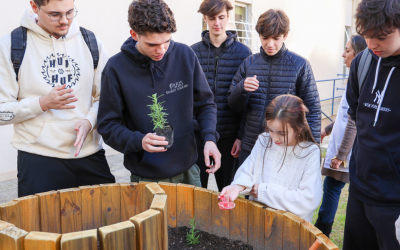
192 238
158 116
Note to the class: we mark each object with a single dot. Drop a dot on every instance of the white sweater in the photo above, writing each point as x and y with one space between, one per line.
50 62
296 187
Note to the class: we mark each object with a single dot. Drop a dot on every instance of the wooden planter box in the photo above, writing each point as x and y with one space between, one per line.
136 216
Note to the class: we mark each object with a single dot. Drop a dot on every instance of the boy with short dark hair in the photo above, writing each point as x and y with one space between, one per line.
151 62
272 72
373 98
220 54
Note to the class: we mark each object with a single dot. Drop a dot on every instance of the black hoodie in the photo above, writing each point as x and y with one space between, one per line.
128 79
375 162
220 65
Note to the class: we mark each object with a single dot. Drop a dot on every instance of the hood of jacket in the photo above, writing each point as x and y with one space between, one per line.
268 58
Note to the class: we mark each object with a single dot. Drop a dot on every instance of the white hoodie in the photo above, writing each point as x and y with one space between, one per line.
45 66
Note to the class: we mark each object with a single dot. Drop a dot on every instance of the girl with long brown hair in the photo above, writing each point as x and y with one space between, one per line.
283 169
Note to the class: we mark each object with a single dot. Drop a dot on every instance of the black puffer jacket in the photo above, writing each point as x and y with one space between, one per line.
283 73
219 73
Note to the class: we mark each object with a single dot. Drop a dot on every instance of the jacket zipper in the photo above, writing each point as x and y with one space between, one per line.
262 129
215 78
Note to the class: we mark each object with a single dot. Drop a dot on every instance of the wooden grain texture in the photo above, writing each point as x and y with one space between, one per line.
84 240
203 208
238 221
42 241
118 236
141 204
49 209
110 203
291 231
4 225
71 210
148 226
184 204
308 235
327 244
28 211
256 224
160 204
220 218
129 200
170 191
273 229
9 212
150 190
91 207
12 238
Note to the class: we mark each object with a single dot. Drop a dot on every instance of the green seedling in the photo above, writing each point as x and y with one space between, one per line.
158 116
192 238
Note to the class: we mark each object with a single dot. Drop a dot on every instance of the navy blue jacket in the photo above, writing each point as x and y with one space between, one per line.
128 79
219 71
283 73
375 161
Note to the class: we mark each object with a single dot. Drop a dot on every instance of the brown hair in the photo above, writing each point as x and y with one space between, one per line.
273 23
42 2
377 17
151 16
290 109
214 7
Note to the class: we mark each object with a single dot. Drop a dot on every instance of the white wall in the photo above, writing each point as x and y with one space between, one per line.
317 33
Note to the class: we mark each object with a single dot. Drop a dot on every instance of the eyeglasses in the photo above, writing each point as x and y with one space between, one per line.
56 17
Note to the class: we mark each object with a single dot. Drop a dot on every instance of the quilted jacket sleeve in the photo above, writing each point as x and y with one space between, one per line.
237 96
308 92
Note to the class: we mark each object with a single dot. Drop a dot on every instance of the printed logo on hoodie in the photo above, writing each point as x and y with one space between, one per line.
60 71
378 100
176 86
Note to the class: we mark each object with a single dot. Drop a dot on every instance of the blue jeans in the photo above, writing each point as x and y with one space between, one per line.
330 200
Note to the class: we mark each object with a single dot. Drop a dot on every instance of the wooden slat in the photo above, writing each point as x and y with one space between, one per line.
91 207
238 221
220 218
203 208
129 200
256 225
110 203
170 191
160 204
118 236
147 226
4 225
141 204
49 209
184 204
12 238
28 211
42 241
308 235
71 210
327 244
84 240
150 190
291 231
273 229
9 212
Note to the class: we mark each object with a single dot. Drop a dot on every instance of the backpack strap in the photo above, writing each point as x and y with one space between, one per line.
363 68
90 40
18 47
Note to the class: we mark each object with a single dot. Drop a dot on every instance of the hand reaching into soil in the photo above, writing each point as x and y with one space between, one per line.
232 191
151 140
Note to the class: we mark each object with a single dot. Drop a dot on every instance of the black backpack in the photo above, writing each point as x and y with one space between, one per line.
18 46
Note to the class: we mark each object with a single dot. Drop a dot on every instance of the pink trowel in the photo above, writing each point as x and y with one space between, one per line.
225 204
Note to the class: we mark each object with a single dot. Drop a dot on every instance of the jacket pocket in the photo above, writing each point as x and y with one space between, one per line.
176 160
377 174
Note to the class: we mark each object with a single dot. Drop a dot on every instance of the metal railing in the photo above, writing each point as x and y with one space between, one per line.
333 93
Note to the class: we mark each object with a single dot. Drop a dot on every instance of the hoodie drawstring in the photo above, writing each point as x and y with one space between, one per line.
157 69
66 53
383 92
376 74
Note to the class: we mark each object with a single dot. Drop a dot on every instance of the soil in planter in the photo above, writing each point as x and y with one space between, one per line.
177 241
